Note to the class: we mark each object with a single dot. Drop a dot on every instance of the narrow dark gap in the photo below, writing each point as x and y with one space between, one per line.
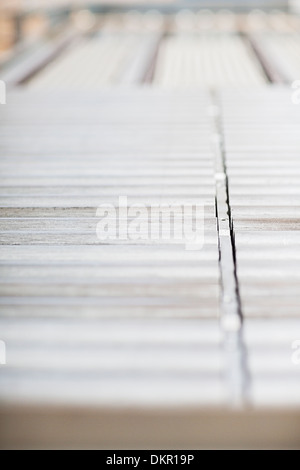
241 339
219 121
242 365
233 245
218 227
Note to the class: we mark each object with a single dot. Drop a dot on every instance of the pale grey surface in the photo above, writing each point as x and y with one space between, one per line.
262 139
119 323
111 326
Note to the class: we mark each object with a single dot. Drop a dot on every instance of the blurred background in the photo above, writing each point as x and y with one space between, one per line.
171 43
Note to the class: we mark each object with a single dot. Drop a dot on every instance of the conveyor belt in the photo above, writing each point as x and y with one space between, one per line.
110 59
197 60
176 51
207 60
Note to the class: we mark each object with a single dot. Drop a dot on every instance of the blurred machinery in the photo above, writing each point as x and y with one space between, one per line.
182 48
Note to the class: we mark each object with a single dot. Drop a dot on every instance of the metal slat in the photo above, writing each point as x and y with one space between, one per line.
164 299
266 235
